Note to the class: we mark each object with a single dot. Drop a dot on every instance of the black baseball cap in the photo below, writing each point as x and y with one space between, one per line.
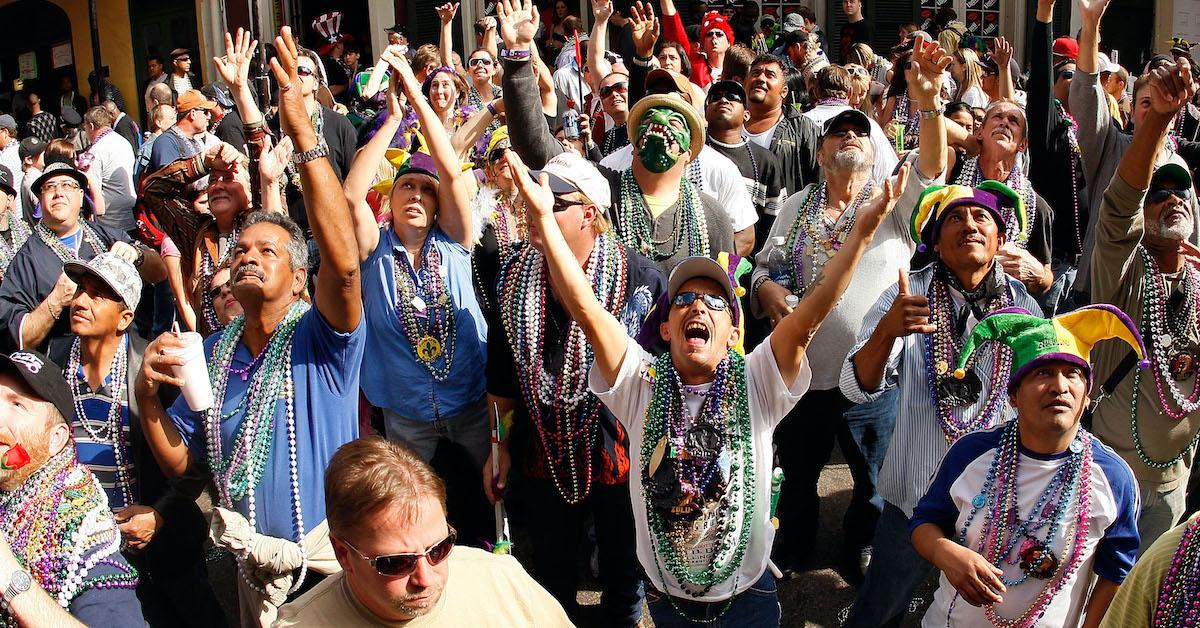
31 146
861 122
43 376
6 181
726 86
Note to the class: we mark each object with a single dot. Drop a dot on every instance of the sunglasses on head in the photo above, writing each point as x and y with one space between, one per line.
607 90
1158 195
479 61
401 565
725 94
714 302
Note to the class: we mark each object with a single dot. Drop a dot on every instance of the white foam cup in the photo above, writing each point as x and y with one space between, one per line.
197 389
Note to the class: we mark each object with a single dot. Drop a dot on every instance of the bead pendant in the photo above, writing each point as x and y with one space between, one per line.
979 501
1183 366
429 349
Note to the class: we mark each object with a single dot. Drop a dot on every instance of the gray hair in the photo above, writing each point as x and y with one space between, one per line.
297 245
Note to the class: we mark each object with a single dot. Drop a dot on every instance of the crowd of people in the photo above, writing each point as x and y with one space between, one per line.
341 317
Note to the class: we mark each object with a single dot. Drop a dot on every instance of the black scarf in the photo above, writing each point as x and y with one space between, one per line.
980 301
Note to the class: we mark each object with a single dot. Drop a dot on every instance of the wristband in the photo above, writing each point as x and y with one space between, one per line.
758 284
492 110
642 61
508 54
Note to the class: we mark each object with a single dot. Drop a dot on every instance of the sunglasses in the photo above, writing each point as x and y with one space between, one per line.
1065 74
607 90
1158 195
401 565
479 61
729 95
304 70
715 34
714 302
563 204
843 132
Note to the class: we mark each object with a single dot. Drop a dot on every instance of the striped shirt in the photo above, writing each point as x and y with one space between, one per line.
918 443
100 455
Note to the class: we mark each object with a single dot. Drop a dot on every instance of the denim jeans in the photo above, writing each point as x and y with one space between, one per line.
804 442
895 574
1057 298
555 531
1160 512
468 428
756 607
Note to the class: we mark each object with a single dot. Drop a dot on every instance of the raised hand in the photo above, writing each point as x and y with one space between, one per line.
925 70
601 10
518 21
234 67
1002 54
223 157
158 366
274 159
882 203
645 28
537 196
447 11
1092 10
402 74
293 116
909 313
1172 87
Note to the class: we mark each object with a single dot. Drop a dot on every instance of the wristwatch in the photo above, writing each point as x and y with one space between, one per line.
318 151
929 114
19 582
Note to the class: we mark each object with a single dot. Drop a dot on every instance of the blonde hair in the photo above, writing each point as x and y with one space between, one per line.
370 474
949 40
972 75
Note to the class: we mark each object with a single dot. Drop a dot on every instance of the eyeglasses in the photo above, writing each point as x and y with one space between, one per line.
479 61
607 90
563 204
184 59
401 565
1066 74
725 94
855 70
714 302
1159 195
304 70
64 186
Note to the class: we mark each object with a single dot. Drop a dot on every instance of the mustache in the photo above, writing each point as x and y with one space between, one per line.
250 268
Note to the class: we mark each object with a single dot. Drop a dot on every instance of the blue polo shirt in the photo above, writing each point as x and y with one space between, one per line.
392 375
325 367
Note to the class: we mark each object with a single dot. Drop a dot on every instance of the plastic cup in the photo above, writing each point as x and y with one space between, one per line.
197 389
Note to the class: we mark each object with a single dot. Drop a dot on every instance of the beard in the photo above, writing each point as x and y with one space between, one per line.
850 161
1177 230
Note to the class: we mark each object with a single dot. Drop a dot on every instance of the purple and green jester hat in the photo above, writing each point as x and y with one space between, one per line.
1068 338
1005 205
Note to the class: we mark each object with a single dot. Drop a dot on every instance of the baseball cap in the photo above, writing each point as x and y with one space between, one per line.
699 267
43 376
31 147
70 117
6 181
7 122
570 172
727 86
792 23
180 52
218 94
193 99
1172 172
115 271
1066 47
664 81
1103 64
850 116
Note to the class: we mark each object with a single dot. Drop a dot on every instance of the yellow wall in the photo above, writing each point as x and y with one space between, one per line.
116 47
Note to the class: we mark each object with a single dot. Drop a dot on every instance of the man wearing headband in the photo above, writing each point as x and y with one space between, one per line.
656 209
700 417
1151 418
1023 518
910 341
571 451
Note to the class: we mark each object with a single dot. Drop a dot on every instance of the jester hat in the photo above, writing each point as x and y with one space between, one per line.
498 142
1069 338
937 200
420 162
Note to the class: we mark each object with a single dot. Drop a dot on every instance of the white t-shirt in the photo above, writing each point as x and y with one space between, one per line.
770 400
114 164
764 139
720 180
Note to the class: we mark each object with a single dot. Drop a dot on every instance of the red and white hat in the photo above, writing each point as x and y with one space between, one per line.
712 20
329 27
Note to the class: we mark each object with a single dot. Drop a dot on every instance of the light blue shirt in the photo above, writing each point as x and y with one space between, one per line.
392 376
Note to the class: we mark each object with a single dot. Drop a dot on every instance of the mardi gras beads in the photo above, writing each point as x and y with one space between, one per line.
1179 595
970 175
560 406
110 431
426 310
815 232
689 230
64 253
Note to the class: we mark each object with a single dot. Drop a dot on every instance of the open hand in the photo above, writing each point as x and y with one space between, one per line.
274 159
293 116
883 201
234 67
447 11
645 28
518 21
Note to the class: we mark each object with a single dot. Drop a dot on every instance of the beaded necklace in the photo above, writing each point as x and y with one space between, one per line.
610 140
19 232
696 471
637 224
970 175
1003 530
59 527
509 227
65 253
110 432
1177 606
560 406
942 349
814 230
239 473
910 133
425 309
209 269
758 193
1071 129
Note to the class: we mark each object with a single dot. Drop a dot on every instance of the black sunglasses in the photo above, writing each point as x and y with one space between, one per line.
401 565
714 302
563 204
725 94
607 90
1159 195
1065 74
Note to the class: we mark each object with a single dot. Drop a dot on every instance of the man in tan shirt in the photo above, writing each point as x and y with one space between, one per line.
1138 266
387 521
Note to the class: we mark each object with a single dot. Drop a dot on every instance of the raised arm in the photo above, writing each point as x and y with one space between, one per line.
1040 96
601 11
1088 104
362 175
471 130
672 25
456 187
234 69
1171 88
489 36
924 73
446 38
339 288
792 335
605 333
1002 55
526 122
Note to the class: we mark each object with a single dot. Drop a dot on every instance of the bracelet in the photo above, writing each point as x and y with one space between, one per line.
141 258
758 283
508 54
931 114
316 152
643 61
492 110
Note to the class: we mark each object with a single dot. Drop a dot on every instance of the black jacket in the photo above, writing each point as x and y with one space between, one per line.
795 144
